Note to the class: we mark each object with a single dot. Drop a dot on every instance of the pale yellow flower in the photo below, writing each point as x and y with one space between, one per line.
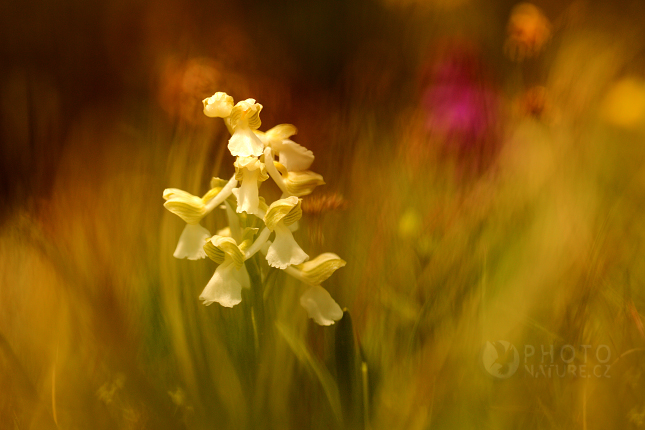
284 251
244 118
225 287
192 209
320 306
219 105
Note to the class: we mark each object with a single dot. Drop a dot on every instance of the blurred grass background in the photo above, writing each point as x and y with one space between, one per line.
487 195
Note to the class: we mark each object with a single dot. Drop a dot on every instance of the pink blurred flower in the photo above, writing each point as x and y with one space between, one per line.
460 104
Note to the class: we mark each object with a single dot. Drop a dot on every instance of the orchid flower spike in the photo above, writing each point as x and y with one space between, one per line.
231 246
284 251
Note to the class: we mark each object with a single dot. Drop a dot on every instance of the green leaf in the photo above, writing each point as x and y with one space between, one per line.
348 371
312 363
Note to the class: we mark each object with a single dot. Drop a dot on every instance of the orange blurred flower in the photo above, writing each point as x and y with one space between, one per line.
528 31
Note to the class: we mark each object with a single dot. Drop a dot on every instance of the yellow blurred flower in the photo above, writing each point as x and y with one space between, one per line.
624 104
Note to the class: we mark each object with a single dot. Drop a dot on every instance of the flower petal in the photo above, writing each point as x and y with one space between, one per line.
302 183
286 211
293 156
320 306
218 105
294 226
246 113
191 242
225 232
221 248
281 132
188 207
249 164
225 287
284 251
316 271
242 277
244 143
262 136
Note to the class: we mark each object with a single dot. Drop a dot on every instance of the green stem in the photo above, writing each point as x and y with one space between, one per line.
257 302
257 324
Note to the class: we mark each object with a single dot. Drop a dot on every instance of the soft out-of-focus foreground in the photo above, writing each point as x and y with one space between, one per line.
485 182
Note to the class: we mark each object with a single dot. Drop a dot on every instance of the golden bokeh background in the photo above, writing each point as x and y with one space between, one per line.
485 181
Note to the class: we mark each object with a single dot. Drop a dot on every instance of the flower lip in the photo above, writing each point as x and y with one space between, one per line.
191 242
225 287
245 143
320 306
284 251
